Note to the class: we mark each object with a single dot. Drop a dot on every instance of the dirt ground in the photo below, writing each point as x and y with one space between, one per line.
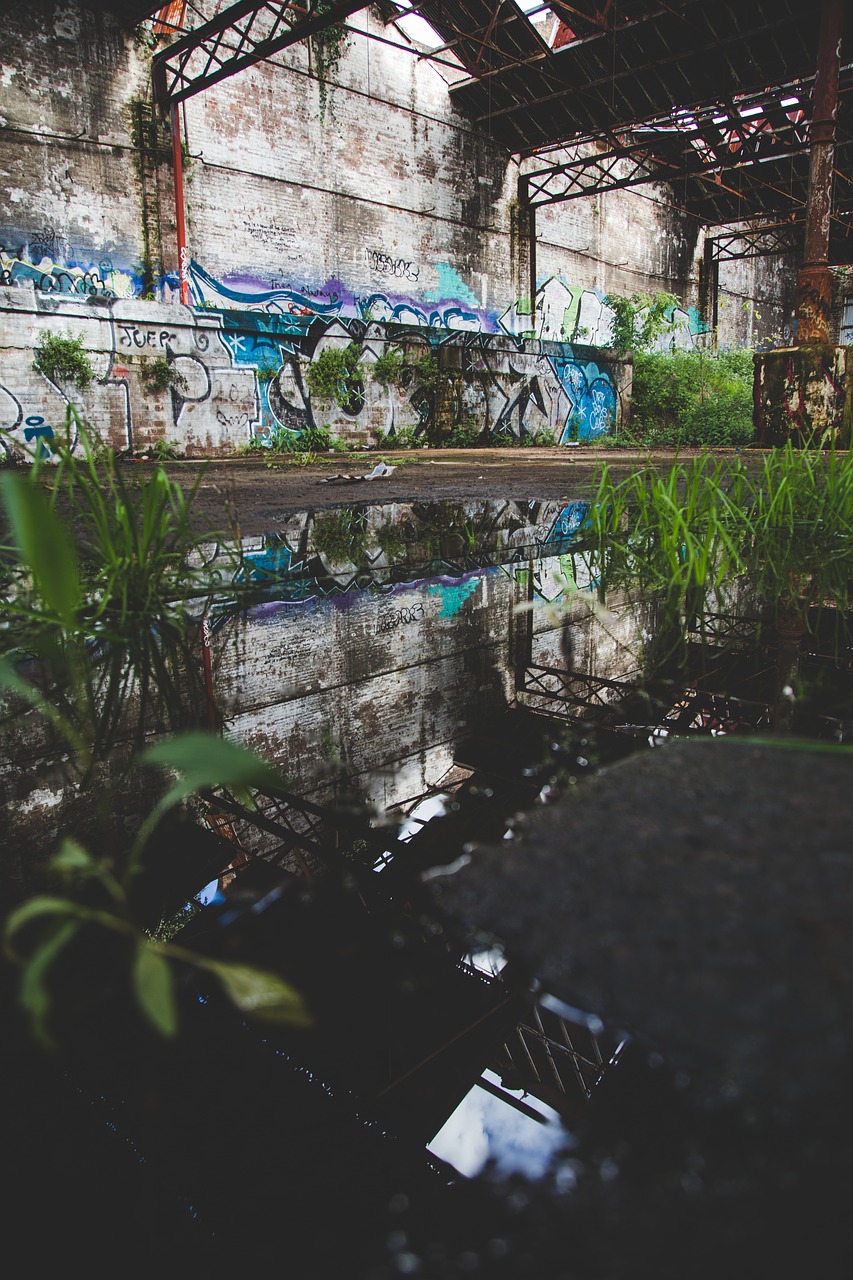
251 495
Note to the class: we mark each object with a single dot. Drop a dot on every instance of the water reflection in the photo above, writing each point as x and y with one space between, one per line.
421 673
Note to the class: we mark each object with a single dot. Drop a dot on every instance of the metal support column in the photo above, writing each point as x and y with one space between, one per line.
814 282
180 215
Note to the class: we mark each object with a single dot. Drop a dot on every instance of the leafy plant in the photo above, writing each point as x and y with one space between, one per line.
389 368
464 434
639 320
267 370
164 451
94 903
399 438
63 359
159 375
336 374
341 536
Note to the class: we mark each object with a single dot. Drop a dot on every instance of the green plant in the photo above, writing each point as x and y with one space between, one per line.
267 370
63 359
640 319
164 451
692 398
429 373
389 368
328 44
464 434
390 540
93 916
399 438
337 374
684 536
159 375
341 536
104 592
314 440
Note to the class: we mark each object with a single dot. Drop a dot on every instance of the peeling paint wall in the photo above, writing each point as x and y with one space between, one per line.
361 196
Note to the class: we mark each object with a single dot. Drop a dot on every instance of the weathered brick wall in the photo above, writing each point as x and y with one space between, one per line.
362 196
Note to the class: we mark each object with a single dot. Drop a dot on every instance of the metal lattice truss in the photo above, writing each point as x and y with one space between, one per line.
238 37
704 142
556 1052
690 713
754 242
555 689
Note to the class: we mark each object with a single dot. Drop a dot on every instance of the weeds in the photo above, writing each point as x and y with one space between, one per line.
337 374
159 375
63 359
103 596
691 398
684 537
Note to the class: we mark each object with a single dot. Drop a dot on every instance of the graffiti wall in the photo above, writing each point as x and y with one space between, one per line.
208 380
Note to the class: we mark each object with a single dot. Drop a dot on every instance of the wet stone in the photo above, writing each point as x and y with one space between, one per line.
699 898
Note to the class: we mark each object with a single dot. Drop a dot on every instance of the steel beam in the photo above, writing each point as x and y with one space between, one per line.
240 36
709 140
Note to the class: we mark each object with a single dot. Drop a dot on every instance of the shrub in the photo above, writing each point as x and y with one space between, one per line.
337 374
63 358
639 321
692 398
389 368
160 375
464 434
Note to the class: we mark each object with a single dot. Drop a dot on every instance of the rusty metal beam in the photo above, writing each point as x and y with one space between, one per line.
240 36
813 307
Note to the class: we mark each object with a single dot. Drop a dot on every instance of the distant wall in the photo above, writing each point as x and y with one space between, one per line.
240 376
351 191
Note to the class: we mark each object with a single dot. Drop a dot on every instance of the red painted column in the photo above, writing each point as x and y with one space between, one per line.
180 215
814 282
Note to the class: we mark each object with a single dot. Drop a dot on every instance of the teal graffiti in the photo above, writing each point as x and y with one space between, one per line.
454 596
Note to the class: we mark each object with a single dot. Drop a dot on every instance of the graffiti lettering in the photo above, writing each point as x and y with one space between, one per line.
272 233
391 619
48 243
401 268
133 336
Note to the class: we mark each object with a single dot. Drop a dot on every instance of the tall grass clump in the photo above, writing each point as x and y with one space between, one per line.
103 596
103 593
687 535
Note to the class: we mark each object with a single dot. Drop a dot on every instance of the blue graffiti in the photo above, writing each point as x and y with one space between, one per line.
454 594
37 429
569 522
592 398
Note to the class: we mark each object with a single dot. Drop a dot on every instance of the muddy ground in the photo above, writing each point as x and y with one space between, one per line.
251 495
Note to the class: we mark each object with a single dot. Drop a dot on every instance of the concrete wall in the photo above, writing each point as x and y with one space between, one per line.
360 198
232 377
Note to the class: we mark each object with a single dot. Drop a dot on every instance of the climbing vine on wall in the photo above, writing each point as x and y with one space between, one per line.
328 47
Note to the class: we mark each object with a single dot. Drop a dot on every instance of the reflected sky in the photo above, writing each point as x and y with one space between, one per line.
485 1130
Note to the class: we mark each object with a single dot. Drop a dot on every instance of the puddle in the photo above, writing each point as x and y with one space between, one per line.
422 674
